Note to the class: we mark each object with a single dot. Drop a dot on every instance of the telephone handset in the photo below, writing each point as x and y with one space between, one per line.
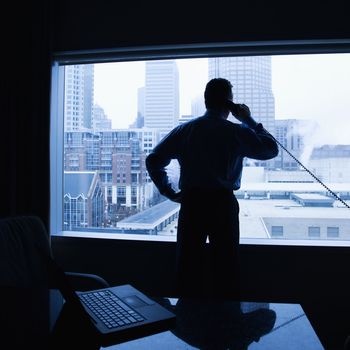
234 110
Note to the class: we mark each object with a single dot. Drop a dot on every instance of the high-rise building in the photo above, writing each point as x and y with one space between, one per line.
79 96
88 95
139 120
100 120
294 135
161 103
141 101
251 80
288 134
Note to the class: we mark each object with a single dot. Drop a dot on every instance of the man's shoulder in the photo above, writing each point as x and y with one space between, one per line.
205 122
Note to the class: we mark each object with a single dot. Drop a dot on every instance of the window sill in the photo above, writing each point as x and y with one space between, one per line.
164 238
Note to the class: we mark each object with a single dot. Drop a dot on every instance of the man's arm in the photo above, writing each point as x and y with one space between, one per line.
157 161
257 142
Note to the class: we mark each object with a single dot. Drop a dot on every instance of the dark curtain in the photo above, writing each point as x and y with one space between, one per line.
25 112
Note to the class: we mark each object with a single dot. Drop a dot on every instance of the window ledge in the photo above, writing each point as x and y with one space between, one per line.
243 241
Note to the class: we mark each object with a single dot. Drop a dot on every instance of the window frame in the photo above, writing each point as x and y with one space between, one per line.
140 53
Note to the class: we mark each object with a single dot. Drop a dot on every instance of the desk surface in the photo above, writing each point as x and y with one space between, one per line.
231 325
25 319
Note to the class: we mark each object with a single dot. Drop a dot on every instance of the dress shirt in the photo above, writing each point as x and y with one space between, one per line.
210 150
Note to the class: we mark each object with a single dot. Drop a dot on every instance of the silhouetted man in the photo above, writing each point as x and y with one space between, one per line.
210 150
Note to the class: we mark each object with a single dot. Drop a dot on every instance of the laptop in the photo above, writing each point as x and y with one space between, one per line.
114 314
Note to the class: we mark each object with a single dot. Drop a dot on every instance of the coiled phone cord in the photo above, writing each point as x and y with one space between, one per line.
309 171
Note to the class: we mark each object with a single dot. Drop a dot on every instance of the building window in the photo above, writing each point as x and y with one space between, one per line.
314 231
276 231
332 232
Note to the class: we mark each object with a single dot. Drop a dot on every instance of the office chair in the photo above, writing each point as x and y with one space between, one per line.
24 254
28 281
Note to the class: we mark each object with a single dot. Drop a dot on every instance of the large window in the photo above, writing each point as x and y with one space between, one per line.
107 117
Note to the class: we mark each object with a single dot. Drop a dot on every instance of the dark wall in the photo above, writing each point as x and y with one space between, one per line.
278 273
25 109
110 24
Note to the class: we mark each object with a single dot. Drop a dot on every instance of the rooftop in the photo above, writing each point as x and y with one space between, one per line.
78 182
289 208
294 187
151 217
313 199
253 212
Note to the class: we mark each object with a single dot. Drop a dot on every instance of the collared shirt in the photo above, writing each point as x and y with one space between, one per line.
210 151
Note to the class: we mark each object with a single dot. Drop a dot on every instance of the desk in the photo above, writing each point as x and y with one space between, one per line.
219 325
26 315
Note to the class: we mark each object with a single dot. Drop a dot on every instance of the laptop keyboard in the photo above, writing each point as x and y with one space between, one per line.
109 309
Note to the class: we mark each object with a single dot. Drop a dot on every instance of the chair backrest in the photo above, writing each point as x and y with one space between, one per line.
24 242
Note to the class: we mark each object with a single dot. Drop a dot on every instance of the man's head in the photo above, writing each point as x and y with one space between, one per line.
217 92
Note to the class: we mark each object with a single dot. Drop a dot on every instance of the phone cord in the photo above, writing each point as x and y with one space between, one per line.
309 171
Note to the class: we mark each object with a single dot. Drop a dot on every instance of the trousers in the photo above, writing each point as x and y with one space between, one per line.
207 262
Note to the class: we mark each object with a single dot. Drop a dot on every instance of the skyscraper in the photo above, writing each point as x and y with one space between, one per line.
290 138
88 95
100 120
251 80
139 121
161 106
79 91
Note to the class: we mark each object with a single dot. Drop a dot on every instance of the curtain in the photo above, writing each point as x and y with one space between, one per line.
25 112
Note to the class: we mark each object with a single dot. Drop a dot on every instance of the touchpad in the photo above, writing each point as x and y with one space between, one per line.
134 301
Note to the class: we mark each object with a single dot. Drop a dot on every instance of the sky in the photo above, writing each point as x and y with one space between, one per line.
313 87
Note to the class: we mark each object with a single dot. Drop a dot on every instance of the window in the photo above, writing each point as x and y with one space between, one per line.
277 231
129 106
314 231
332 232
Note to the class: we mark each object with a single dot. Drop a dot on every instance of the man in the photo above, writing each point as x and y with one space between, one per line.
210 150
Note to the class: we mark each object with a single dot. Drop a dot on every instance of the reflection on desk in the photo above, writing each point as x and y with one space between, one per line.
230 325
217 324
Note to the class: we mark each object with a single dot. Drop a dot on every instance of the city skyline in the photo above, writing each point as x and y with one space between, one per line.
299 82
116 158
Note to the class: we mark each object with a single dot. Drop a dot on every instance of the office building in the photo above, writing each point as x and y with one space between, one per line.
100 120
140 118
330 163
83 200
293 134
119 156
161 98
88 81
79 97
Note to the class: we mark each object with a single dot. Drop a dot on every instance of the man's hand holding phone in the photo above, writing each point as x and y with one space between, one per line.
242 113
